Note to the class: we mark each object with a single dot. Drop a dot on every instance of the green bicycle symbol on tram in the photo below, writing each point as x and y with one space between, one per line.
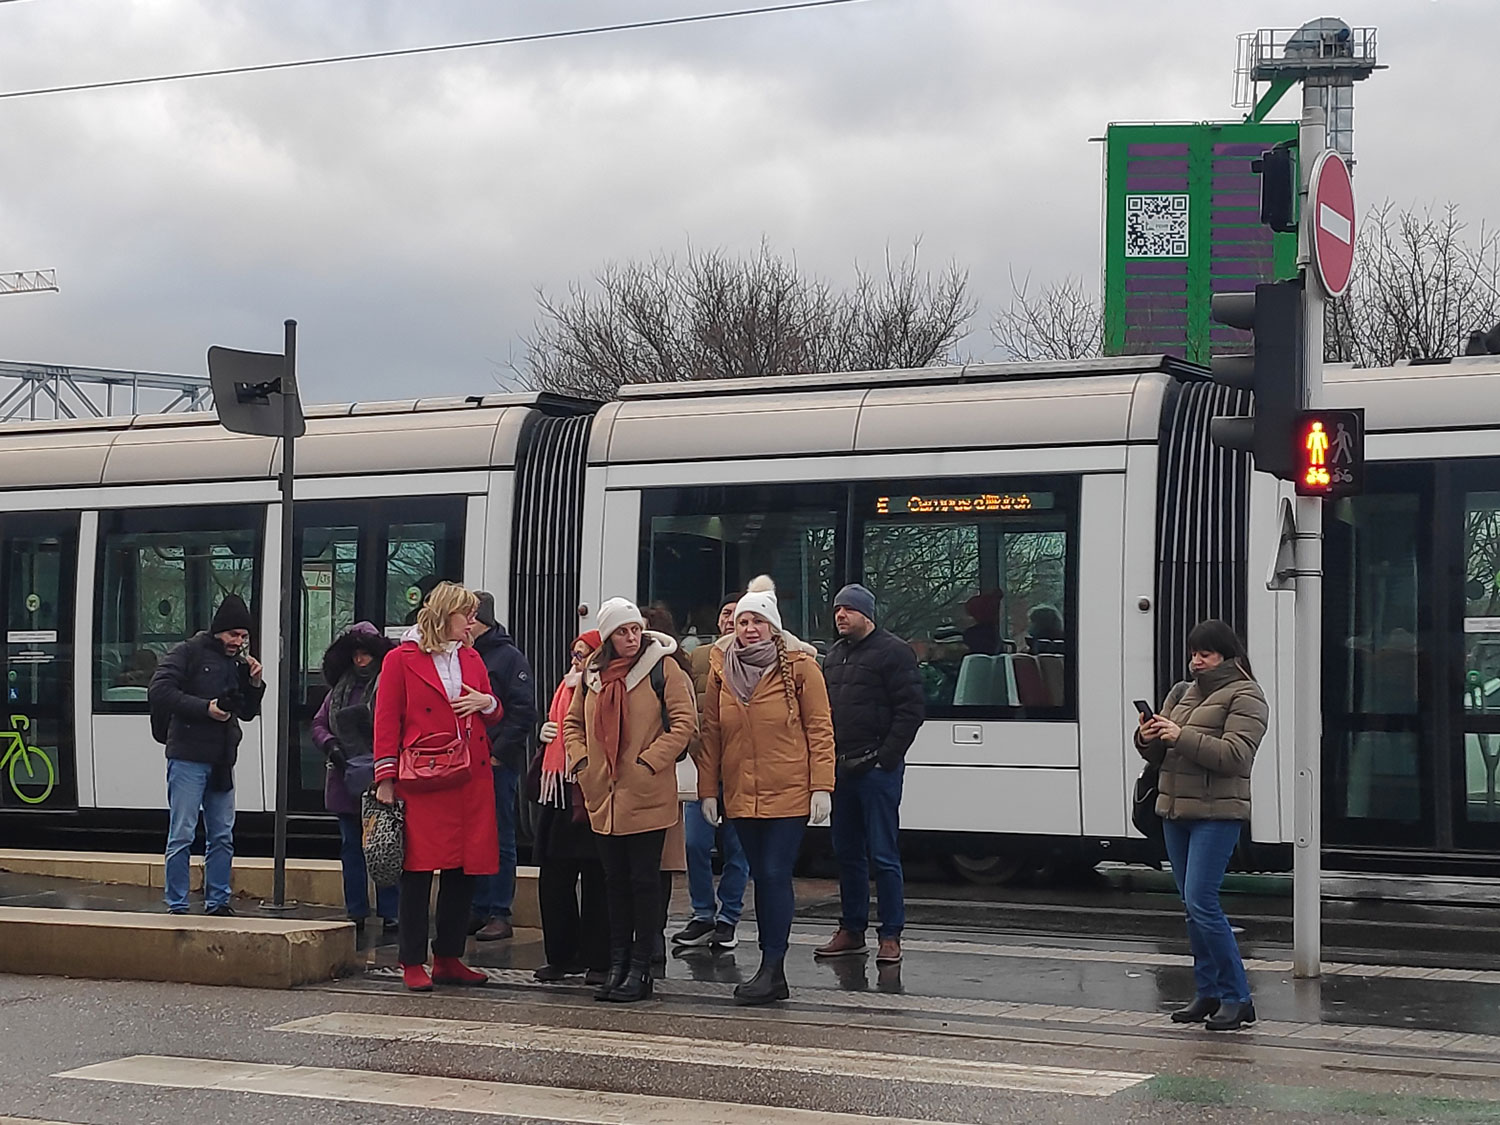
32 774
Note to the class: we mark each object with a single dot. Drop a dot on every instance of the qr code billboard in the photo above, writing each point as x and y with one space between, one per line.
1156 226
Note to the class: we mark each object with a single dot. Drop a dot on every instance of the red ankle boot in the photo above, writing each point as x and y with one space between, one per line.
415 978
450 970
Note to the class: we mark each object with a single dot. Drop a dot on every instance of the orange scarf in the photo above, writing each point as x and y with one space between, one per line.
609 714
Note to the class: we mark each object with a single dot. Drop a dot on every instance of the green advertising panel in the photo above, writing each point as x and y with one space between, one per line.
1182 222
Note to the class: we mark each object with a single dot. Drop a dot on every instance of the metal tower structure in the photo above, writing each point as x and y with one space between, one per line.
31 391
1326 55
28 281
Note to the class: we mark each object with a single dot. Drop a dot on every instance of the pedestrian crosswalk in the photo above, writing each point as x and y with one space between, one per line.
963 1081
822 1061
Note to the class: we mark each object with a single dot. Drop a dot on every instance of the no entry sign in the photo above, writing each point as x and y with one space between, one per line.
1331 194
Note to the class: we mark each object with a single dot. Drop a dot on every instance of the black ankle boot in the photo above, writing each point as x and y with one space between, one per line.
1196 1012
767 986
638 984
1231 1017
619 969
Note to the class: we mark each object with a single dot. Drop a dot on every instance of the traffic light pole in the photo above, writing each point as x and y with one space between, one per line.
1307 861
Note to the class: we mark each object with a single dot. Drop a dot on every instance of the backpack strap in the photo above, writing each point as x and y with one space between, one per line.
659 685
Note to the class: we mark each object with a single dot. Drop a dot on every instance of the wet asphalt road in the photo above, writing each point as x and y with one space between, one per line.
1030 1009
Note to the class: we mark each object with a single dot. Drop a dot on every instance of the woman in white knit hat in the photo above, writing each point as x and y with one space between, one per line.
625 761
768 736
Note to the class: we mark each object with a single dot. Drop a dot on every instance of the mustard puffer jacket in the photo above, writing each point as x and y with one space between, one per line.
771 754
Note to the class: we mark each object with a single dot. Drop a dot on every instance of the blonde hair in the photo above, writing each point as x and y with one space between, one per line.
784 665
432 619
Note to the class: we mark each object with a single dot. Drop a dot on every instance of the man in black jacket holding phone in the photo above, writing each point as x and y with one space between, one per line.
875 693
199 695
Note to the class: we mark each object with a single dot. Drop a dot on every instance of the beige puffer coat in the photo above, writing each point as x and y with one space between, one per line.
1205 775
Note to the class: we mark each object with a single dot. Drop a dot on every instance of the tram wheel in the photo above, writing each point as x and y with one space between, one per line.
988 870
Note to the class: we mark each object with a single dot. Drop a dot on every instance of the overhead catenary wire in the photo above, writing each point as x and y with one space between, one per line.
400 52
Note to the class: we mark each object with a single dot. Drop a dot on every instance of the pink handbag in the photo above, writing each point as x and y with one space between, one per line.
435 761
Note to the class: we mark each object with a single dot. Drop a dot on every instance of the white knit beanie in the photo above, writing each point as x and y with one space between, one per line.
760 599
616 612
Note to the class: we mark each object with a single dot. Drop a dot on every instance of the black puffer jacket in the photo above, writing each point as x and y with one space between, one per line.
876 695
191 676
511 682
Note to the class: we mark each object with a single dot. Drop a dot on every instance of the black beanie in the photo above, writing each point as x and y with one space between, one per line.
232 614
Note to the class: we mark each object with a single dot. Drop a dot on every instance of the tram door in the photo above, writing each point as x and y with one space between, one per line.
38 562
1411 688
367 560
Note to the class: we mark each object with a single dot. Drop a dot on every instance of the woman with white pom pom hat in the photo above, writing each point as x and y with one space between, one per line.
768 737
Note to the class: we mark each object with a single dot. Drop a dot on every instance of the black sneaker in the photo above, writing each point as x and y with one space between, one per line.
724 936
223 910
697 932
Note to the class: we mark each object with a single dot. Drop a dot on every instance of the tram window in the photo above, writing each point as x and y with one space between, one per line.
975 576
414 559
702 543
162 574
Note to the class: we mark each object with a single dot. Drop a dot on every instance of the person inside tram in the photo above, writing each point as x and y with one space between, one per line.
1045 632
986 634
938 663
138 673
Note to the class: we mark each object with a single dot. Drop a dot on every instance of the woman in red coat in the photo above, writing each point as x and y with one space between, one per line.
428 694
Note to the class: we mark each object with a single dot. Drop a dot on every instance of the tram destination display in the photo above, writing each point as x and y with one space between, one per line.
969 504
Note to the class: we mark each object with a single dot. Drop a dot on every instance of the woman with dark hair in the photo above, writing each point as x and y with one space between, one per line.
1204 740
623 738
344 730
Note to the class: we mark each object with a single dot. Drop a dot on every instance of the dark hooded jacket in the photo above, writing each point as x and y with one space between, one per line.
188 679
512 684
347 739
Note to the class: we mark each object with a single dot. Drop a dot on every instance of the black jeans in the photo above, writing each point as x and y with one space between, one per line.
575 927
455 894
632 880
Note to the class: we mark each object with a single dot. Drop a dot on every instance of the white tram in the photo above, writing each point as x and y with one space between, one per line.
1043 535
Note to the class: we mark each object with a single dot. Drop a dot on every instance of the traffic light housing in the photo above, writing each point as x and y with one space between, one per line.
1273 375
1277 168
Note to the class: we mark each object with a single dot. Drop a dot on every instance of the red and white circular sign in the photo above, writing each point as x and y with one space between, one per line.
1331 200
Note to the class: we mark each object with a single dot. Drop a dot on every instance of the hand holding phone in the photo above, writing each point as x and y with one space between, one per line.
1146 710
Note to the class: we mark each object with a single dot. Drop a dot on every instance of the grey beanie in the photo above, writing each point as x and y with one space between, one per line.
856 597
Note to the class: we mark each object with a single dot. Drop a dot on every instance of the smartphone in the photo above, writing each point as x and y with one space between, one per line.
1147 714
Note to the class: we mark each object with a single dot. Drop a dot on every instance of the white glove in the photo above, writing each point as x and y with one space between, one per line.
549 731
822 808
709 807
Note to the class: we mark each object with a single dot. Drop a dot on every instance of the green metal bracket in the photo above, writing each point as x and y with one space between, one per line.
1268 100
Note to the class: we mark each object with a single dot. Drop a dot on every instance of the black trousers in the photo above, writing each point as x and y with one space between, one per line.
575 922
632 880
455 896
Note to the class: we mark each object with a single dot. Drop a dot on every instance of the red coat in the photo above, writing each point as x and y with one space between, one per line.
449 827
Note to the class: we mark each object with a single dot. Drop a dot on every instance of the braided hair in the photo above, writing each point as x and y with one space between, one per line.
784 665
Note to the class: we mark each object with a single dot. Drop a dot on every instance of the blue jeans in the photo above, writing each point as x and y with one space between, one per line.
357 876
771 846
866 820
188 794
494 895
736 873
1199 851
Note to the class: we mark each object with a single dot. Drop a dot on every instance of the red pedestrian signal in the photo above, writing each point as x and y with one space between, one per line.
1328 448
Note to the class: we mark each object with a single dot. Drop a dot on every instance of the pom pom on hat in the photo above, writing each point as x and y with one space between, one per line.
760 599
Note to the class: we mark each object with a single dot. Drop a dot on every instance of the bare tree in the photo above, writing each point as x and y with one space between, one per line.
1421 285
715 316
1063 321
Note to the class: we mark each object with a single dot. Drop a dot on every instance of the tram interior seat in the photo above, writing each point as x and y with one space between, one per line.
1052 667
1031 689
985 681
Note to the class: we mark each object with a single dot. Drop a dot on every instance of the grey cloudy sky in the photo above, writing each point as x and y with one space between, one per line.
405 211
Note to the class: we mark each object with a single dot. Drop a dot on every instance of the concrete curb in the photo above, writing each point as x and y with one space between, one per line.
313 882
115 945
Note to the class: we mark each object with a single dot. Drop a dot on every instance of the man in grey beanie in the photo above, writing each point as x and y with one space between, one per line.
875 693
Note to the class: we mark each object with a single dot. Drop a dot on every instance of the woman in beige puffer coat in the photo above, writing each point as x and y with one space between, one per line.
1204 740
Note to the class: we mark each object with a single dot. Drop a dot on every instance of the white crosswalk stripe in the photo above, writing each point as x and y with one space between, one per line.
463 1095
827 1062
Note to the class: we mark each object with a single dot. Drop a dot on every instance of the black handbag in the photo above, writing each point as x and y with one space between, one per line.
1143 803
383 839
